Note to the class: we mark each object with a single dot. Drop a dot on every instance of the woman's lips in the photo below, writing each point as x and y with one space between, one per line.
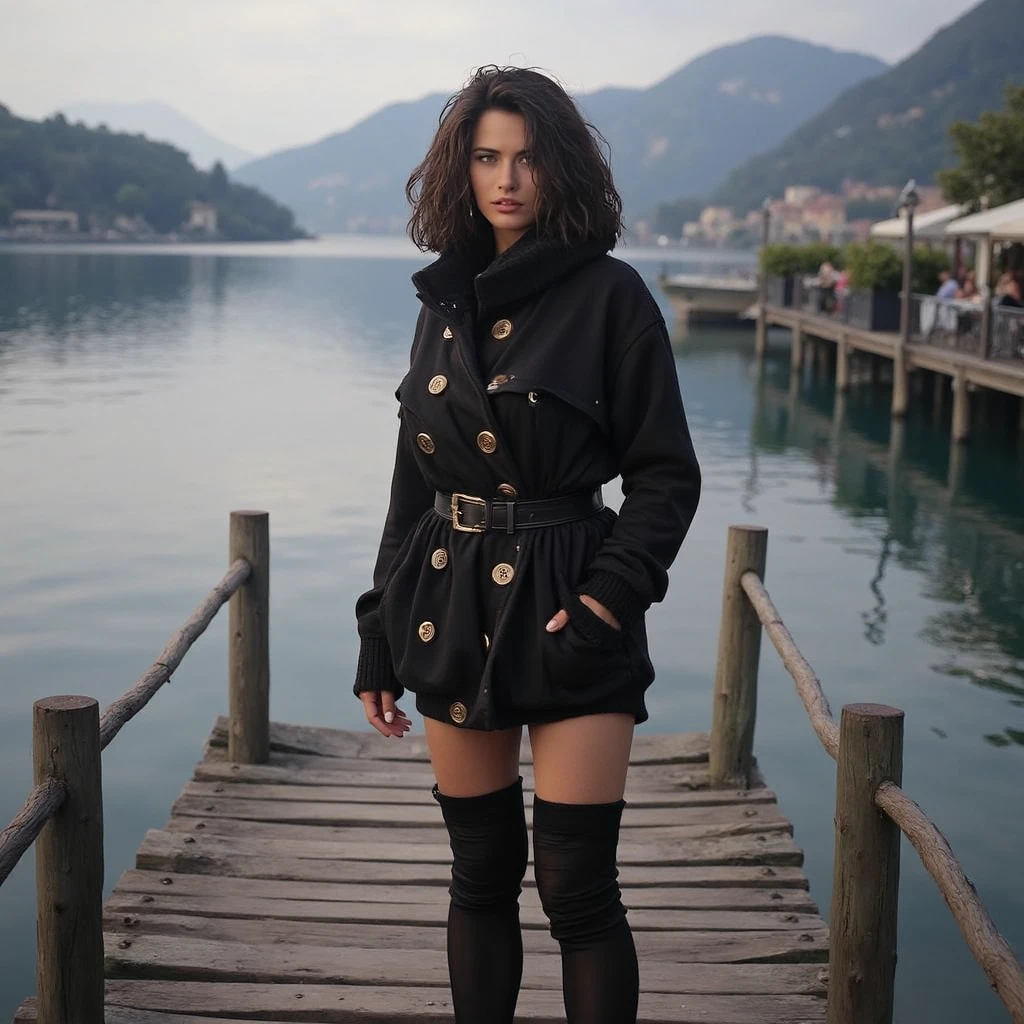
506 205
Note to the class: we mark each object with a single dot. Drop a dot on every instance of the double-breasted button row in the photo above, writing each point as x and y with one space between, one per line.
487 442
438 384
427 631
501 330
447 334
507 491
439 559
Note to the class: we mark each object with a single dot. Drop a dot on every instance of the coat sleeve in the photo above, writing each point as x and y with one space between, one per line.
410 498
660 480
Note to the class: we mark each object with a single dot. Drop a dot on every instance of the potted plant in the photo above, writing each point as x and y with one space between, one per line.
781 264
876 277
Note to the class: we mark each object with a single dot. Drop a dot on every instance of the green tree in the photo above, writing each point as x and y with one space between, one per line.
218 181
6 209
131 199
991 153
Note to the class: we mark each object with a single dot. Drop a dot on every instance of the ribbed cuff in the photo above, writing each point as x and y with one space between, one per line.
616 595
374 670
589 625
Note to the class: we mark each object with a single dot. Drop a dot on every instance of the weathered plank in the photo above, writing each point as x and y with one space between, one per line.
680 898
260 909
317 813
373 772
670 748
760 849
27 1013
268 782
327 1004
170 852
810 946
187 958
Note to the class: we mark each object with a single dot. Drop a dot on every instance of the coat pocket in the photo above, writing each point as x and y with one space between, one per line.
587 653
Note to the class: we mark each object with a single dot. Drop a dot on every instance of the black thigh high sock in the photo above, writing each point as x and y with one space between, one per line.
485 945
574 859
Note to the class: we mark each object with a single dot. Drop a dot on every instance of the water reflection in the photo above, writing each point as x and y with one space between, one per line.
951 524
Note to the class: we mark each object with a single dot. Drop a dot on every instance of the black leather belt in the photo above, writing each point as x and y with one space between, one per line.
469 514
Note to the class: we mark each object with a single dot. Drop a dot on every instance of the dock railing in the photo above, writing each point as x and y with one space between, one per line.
63 814
871 808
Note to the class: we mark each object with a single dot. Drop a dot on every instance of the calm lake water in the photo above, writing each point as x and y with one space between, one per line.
146 393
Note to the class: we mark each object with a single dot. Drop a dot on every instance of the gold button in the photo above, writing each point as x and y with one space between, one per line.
502 573
507 491
426 632
496 382
426 443
487 642
532 398
447 334
501 330
487 442
439 559
437 384
457 711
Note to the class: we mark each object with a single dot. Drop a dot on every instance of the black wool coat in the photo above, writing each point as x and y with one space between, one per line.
539 373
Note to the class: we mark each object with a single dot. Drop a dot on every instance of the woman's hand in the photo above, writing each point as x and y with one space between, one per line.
383 715
562 617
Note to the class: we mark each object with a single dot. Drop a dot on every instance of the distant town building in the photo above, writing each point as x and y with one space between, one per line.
716 222
798 195
44 222
202 218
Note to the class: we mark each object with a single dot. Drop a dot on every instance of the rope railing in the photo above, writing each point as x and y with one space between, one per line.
808 686
868 746
43 802
994 954
130 703
63 815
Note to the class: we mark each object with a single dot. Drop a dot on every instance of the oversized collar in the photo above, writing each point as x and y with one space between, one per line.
528 266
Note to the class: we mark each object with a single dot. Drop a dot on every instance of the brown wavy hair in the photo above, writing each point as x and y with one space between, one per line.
576 197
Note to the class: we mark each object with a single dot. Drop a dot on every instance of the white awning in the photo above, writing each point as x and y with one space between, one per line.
930 226
1003 223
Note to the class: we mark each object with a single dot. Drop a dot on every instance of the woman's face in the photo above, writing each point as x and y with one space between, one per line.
502 177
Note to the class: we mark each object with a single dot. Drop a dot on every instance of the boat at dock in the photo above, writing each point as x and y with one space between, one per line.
707 298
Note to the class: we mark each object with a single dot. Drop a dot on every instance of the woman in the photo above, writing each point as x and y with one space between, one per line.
505 594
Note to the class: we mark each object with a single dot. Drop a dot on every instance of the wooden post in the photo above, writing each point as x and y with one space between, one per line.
866 871
900 383
739 648
796 352
842 364
941 386
249 642
961 428
69 863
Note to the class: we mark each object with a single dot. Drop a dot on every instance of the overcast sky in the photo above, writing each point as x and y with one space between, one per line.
265 74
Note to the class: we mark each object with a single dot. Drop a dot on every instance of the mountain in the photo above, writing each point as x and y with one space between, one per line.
104 176
681 136
163 123
895 126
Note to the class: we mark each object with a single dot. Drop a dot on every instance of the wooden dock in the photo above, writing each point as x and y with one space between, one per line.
303 873
314 888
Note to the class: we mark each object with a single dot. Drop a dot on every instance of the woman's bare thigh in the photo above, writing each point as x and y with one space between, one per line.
582 760
469 762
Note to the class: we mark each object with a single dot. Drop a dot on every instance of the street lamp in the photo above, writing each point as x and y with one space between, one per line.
908 201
